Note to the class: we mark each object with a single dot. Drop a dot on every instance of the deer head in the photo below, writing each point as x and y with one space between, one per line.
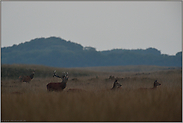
116 85
156 84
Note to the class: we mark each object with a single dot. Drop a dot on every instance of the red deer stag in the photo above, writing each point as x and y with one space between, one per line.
116 85
26 78
59 86
155 85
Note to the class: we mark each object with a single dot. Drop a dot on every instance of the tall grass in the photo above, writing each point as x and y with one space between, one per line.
123 105
32 102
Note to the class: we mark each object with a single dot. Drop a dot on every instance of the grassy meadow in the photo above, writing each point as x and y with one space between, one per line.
95 101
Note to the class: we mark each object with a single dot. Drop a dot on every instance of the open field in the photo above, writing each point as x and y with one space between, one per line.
95 102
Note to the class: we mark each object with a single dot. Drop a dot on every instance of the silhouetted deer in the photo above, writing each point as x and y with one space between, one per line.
26 78
116 85
59 86
155 85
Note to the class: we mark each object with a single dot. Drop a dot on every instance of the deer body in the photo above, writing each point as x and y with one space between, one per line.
59 86
26 78
56 86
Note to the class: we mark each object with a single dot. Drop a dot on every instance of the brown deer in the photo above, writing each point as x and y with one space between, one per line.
155 85
26 78
59 86
116 85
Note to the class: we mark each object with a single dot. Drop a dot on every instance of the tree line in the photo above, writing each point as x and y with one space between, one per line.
57 52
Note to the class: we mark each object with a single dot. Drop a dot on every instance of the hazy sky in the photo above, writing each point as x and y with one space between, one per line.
100 24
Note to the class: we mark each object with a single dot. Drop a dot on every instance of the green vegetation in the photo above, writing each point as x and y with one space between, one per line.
57 52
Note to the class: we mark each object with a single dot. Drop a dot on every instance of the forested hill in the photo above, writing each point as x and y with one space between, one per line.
57 52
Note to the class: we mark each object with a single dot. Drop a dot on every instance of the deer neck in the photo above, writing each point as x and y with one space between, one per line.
31 76
64 80
114 86
154 87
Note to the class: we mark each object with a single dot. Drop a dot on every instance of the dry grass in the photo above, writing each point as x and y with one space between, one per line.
32 102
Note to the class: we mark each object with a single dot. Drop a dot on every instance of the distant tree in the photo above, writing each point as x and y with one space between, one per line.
152 51
179 54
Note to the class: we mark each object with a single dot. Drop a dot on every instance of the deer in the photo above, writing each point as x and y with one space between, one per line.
59 86
116 85
26 78
155 85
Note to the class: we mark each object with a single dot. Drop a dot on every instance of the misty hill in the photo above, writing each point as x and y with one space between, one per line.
57 52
